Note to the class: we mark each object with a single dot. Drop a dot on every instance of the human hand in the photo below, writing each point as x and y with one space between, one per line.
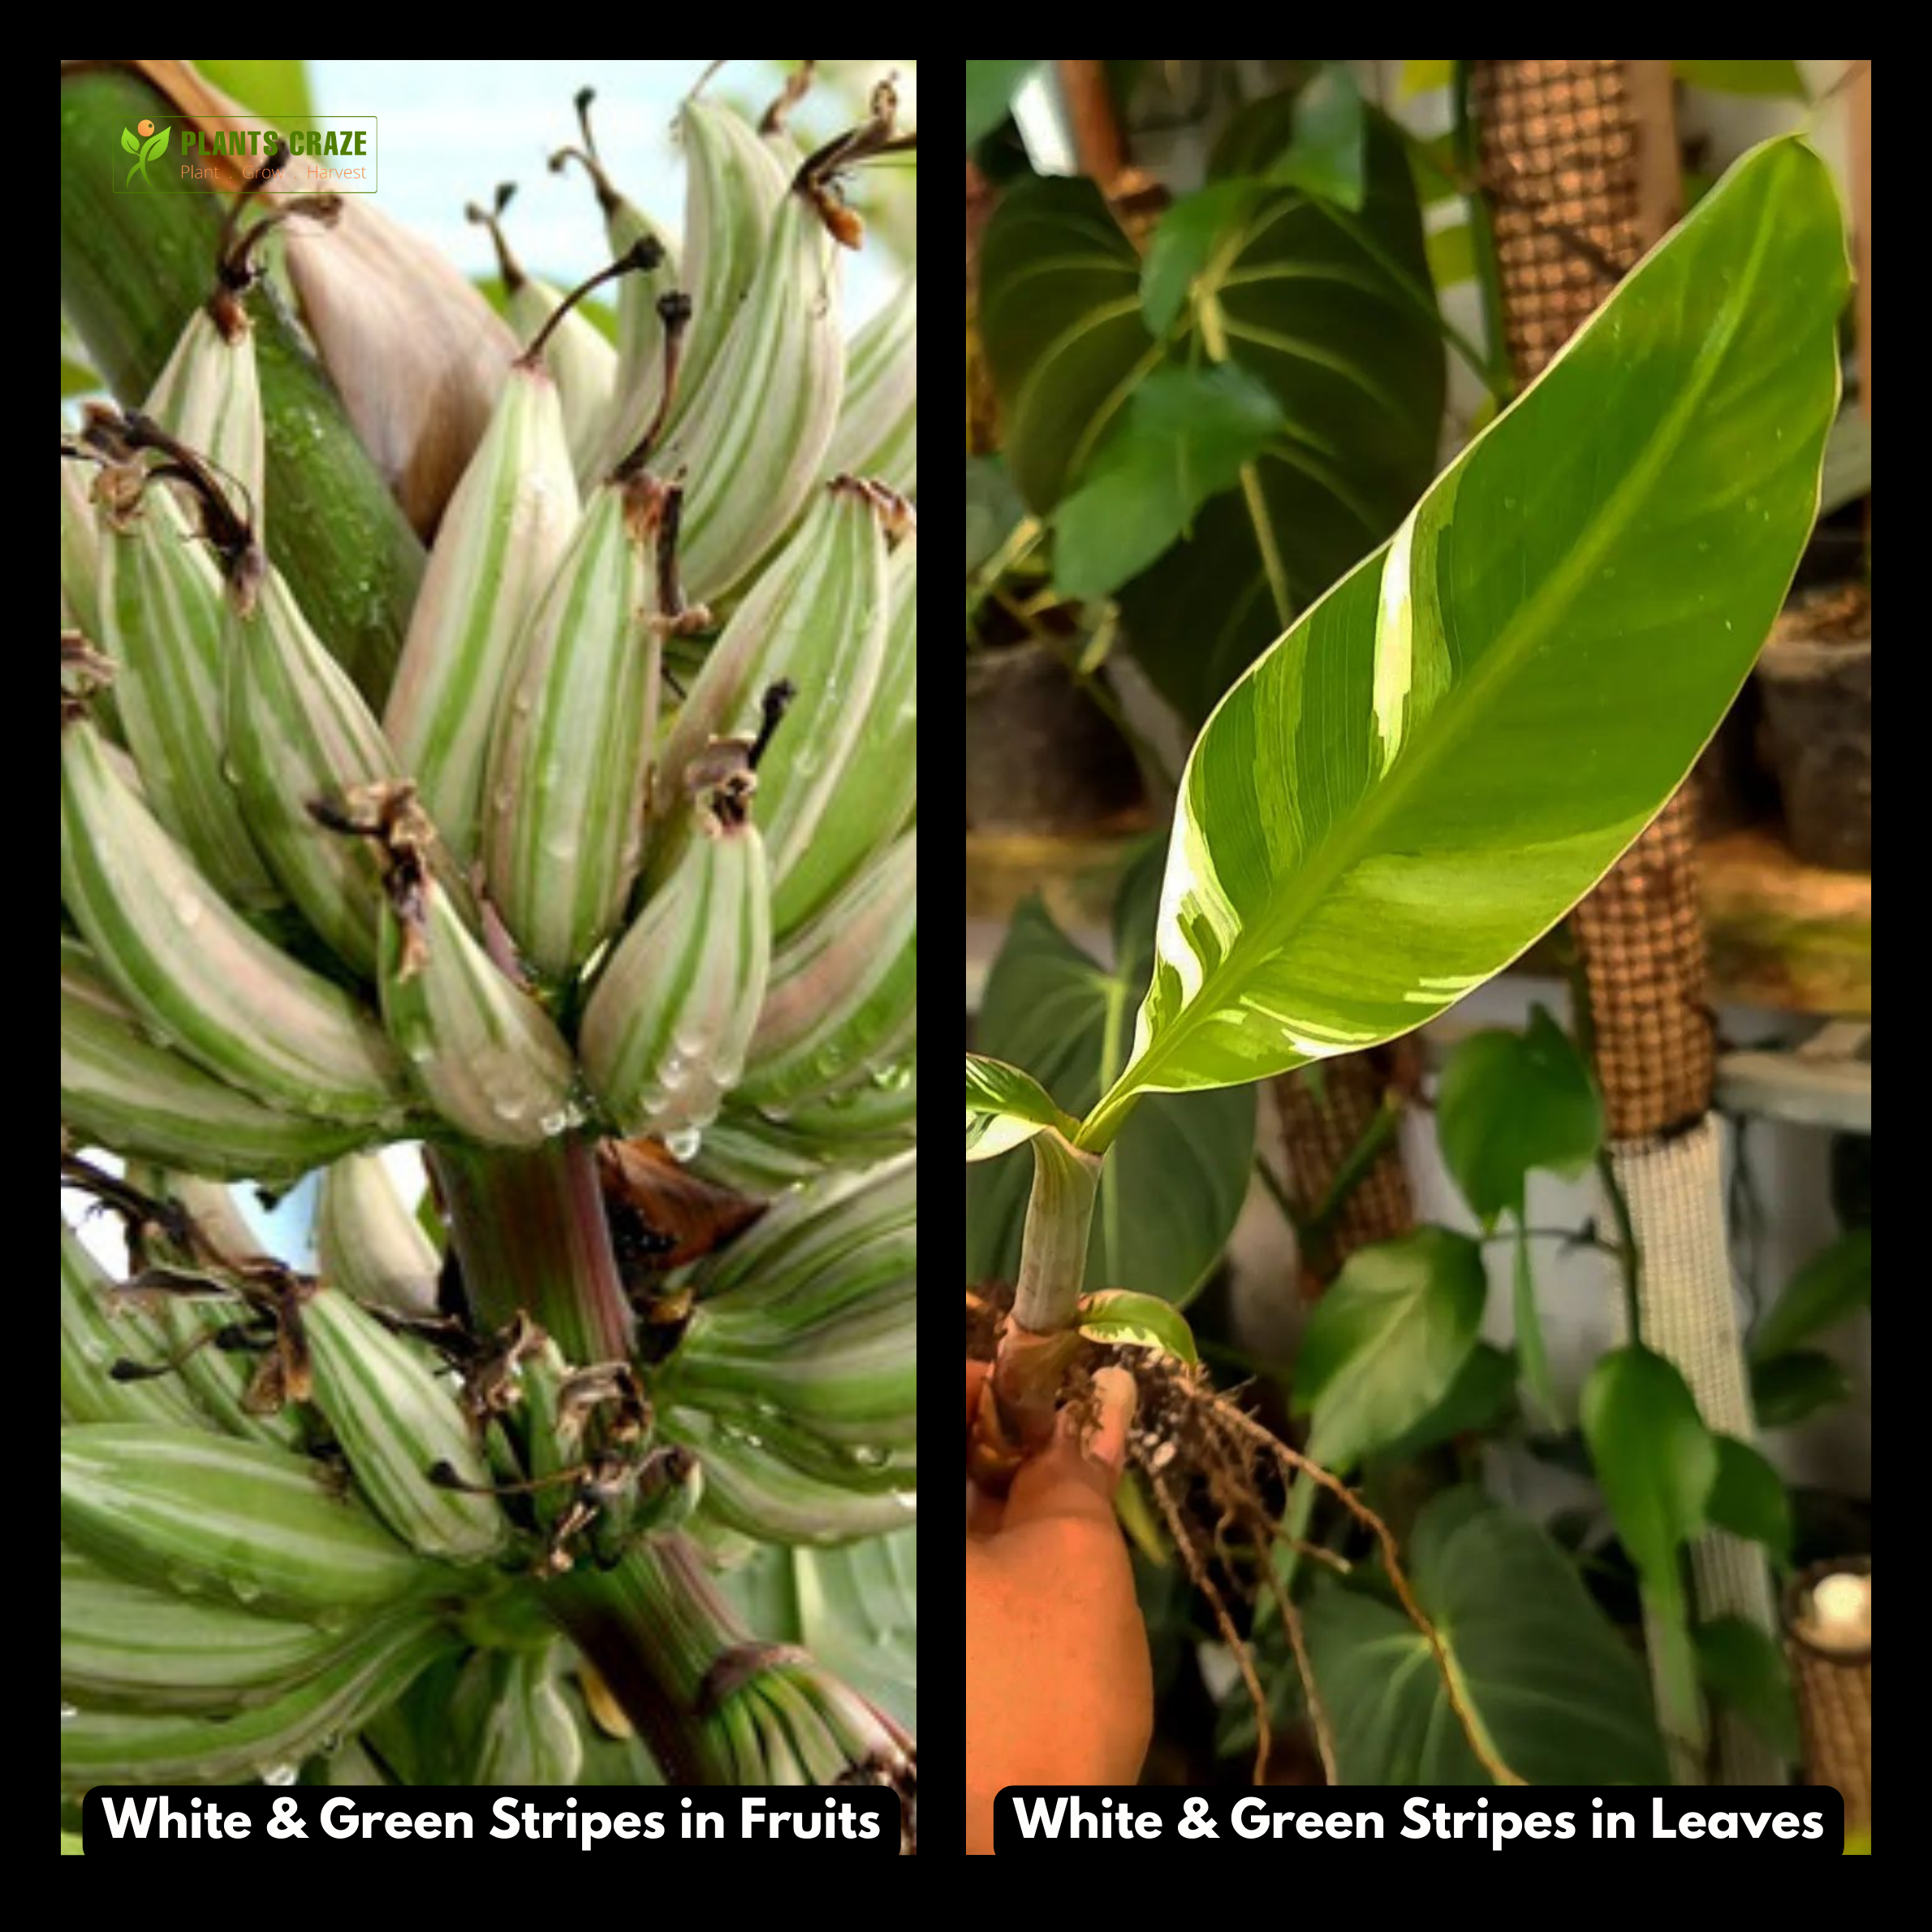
1060 1688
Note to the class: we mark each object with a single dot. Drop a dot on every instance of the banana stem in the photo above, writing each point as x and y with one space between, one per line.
1060 1218
1039 1340
530 1232
654 1626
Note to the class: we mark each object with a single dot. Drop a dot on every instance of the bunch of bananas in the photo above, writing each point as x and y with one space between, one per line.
535 893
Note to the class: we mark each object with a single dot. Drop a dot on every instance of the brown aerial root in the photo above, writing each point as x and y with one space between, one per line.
1219 1480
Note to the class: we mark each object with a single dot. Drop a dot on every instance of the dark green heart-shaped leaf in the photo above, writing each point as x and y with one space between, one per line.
1655 1460
1332 310
1749 1497
1834 1283
1387 1342
1510 1102
1060 322
1746 1672
1558 1693
1787 1388
1335 311
1187 434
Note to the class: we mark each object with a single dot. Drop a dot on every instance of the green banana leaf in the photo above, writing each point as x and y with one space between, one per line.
1004 1108
1459 740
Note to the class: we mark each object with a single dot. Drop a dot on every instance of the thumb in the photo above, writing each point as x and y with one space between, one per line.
1077 1475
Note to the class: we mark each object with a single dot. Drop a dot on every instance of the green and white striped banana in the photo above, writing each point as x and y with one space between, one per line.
565 798
748 1490
79 552
580 356
181 1509
502 537
671 1013
299 732
372 1669
93 1339
734 182
162 619
479 1045
196 973
816 619
396 1418
209 396
754 436
126 1647
874 802
844 990
638 383
879 422
368 1244
119 1090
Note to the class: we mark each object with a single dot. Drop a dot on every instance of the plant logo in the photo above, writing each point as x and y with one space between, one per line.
150 146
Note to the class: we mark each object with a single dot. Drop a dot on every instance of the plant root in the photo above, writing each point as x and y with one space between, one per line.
1220 1480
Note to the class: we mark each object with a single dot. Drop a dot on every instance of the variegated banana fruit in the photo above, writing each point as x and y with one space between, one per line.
843 992
754 431
299 734
639 381
209 393
568 779
878 420
182 1509
368 1671
672 1012
502 537
734 182
120 1090
198 976
397 1416
79 551
161 618
816 620
763 1496
97 1333
478 1044
126 1647
368 1244
796 1374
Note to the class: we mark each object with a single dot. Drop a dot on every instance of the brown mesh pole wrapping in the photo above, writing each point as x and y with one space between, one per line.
982 412
1321 1133
1577 158
1828 1638
1561 160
